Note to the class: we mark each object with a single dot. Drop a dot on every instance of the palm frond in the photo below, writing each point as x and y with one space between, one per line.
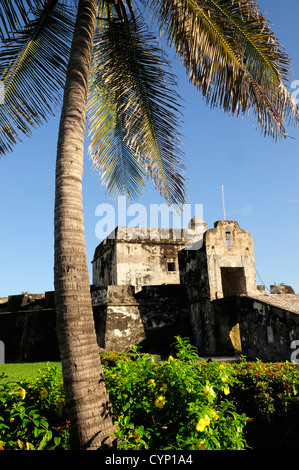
120 169
132 90
32 68
232 56
14 14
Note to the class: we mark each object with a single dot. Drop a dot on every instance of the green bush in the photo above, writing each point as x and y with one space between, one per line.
181 403
32 414
268 394
175 404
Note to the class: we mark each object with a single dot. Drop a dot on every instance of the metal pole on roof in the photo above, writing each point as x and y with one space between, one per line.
224 214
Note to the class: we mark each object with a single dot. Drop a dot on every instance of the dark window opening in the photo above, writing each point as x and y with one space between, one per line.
171 266
233 281
227 234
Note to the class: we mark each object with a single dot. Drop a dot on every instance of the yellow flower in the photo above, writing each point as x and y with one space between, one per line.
226 391
12 420
170 358
22 393
209 391
203 423
214 414
43 393
222 366
163 388
207 420
224 379
151 382
200 425
160 402
200 445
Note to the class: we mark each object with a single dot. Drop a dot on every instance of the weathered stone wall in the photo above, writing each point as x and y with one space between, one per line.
261 327
104 267
28 328
222 267
230 260
195 281
148 263
149 318
117 320
268 326
140 256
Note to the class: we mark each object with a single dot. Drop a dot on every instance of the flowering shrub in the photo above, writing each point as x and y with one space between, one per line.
179 403
32 414
268 394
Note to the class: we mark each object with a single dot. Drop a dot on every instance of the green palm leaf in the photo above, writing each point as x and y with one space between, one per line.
14 14
120 169
132 99
232 56
32 69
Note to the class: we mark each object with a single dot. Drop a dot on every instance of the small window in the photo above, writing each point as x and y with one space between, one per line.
171 266
228 237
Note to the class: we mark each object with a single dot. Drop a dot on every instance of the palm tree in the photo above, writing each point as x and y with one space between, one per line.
101 57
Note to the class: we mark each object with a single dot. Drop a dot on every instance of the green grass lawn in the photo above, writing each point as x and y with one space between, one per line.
15 372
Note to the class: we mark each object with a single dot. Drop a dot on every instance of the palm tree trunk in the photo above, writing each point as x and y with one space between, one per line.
86 397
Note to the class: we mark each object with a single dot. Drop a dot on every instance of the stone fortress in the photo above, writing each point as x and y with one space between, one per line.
150 285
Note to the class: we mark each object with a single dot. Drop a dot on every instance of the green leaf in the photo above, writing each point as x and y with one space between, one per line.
46 438
133 112
232 56
25 422
44 423
13 13
33 68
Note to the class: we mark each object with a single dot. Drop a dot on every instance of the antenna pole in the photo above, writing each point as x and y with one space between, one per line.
224 214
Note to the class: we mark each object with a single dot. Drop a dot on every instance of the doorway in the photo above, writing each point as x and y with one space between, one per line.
233 281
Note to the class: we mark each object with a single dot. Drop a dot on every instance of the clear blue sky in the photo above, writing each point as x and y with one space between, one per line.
260 181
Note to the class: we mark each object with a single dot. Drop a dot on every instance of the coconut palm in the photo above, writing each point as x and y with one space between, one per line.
98 59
